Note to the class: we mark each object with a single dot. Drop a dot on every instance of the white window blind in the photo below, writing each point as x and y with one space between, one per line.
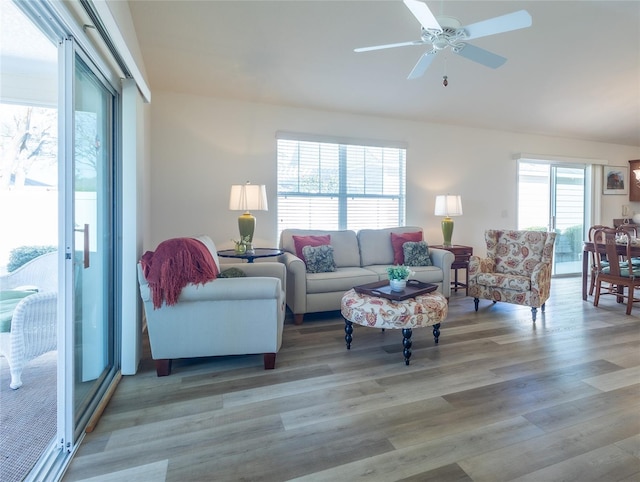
326 185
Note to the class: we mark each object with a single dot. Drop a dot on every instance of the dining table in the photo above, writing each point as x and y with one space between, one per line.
590 247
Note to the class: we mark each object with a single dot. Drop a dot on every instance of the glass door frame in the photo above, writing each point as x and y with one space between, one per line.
60 26
552 199
73 55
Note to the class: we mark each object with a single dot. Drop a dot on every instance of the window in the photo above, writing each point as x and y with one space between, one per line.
325 185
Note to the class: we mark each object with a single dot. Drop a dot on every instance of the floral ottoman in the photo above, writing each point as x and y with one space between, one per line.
429 309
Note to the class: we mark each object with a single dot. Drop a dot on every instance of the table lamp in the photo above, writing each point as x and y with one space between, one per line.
448 205
248 197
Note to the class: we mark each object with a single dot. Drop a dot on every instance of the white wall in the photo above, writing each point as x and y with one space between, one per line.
201 146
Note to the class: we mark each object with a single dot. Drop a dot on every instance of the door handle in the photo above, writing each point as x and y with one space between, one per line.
85 232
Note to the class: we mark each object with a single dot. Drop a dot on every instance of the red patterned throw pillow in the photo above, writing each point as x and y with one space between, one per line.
301 241
398 239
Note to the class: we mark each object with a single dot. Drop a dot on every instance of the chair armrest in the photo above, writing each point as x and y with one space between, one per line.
541 280
35 319
441 258
263 269
296 283
480 265
225 289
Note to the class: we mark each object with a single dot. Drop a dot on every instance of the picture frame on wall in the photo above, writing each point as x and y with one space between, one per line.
616 180
634 180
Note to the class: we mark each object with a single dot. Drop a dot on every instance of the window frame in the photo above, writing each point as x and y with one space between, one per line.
343 151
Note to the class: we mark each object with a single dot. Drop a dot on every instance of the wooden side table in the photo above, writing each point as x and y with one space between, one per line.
462 254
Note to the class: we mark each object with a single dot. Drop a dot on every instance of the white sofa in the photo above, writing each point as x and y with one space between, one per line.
360 258
226 316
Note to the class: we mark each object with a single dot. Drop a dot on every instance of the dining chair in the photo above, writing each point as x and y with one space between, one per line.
620 273
592 261
631 230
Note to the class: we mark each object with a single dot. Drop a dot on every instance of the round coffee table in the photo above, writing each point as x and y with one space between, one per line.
429 309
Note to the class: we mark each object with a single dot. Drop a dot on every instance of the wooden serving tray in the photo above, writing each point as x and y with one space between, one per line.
383 290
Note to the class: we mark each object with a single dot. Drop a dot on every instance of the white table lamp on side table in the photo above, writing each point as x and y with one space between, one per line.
248 197
448 205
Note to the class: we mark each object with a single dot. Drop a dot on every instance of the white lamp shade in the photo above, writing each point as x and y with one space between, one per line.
248 197
448 205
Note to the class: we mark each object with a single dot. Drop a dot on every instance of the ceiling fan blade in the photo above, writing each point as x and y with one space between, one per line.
504 23
423 14
389 46
423 64
481 56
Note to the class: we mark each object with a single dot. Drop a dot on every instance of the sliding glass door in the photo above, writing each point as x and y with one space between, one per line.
83 146
552 196
93 238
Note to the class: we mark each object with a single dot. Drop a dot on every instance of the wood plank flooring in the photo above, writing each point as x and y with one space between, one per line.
499 399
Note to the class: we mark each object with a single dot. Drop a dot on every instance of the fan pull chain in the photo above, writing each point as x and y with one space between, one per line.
445 80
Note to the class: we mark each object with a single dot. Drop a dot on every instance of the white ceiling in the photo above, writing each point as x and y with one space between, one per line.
574 73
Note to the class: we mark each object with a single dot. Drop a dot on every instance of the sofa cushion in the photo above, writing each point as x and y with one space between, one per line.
398 240
426 274
416 253
208 242
342 279
375 244
504 281
319 259
301 241
344 243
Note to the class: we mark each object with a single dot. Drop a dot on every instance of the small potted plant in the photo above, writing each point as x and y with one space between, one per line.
398 276
241 244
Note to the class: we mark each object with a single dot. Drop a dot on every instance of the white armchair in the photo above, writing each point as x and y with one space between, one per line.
33 325
225 316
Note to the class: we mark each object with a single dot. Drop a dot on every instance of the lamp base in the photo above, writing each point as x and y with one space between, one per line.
246 226
447 230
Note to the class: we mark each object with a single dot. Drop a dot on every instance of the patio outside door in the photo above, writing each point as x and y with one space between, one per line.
89 241
552 196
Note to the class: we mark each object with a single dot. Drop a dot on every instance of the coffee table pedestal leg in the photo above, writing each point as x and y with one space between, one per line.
348 329
436 332
406 343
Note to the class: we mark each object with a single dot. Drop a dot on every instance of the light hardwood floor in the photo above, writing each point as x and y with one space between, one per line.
499 399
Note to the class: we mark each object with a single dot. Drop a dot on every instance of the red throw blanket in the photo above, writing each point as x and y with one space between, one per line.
173 265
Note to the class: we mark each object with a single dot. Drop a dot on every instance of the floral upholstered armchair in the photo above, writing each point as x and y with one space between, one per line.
517 269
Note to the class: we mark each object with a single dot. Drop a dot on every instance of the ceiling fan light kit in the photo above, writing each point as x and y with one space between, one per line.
446 32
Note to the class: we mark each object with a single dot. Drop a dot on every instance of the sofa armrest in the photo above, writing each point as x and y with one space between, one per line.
296 283
441 258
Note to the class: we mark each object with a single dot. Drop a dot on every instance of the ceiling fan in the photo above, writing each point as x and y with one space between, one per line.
443 32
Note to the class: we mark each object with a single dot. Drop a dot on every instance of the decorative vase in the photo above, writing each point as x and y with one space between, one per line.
398 284
241 248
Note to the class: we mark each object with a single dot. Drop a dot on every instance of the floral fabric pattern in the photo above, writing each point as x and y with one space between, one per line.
416 253
319 259
517 268
425 310
518 252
